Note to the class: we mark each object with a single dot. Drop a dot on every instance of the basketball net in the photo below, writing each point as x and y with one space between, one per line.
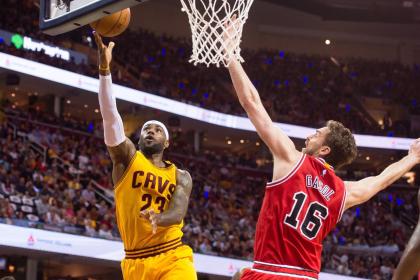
210 20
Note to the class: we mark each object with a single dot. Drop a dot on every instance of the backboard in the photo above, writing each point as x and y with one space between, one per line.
60 16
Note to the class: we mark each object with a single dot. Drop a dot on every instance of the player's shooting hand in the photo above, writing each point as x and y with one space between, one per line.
152 217
415 150
104 52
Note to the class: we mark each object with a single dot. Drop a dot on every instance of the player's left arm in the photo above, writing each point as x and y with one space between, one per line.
178 205
410 261
363 190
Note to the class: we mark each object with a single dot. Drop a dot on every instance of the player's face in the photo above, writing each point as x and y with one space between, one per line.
153 140
314 144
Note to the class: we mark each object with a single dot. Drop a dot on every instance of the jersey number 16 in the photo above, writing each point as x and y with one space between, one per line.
313 218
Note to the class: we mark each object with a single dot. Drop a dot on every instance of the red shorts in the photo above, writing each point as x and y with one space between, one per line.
255 275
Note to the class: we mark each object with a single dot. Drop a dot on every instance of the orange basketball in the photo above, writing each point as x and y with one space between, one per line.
112 25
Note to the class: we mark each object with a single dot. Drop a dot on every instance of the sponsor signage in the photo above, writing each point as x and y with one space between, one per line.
52 51
23 42
165 104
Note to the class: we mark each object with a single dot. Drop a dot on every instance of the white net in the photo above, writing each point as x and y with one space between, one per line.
216 27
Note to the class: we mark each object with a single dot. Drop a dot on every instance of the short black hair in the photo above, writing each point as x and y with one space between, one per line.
342 144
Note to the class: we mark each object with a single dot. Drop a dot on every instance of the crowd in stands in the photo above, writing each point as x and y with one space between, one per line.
299 89
57 194
45 192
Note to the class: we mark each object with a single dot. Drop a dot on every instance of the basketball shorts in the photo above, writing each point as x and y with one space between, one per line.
175 264
250 274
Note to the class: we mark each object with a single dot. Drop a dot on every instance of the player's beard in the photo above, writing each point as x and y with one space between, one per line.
308 150
312 149
150 150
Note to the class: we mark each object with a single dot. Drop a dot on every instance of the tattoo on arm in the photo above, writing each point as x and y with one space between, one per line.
179 202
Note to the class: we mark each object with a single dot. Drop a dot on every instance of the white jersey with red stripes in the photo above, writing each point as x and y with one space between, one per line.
298 212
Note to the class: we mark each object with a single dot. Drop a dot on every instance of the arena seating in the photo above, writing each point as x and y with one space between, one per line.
295 88
56 194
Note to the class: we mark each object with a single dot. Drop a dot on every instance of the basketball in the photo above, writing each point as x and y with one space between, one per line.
112 25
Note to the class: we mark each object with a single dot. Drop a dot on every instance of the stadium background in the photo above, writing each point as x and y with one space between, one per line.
54 170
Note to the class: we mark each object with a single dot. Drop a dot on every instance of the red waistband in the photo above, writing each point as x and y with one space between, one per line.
287 269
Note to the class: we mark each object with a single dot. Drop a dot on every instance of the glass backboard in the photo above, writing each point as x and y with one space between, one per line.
60 16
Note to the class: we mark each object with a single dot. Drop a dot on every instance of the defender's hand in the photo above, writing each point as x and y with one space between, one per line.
230 35
104 52
415 150
152 217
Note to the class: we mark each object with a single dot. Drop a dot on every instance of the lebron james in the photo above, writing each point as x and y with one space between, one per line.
151 194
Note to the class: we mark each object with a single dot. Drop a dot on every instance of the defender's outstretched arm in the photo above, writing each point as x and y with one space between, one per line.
363 190
277 141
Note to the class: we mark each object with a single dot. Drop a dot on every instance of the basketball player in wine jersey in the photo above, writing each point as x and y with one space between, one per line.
305 198
151 195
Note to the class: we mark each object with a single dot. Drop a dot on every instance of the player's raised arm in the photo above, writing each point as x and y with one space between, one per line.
277 141
120 148
361 191
178 205
410 261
